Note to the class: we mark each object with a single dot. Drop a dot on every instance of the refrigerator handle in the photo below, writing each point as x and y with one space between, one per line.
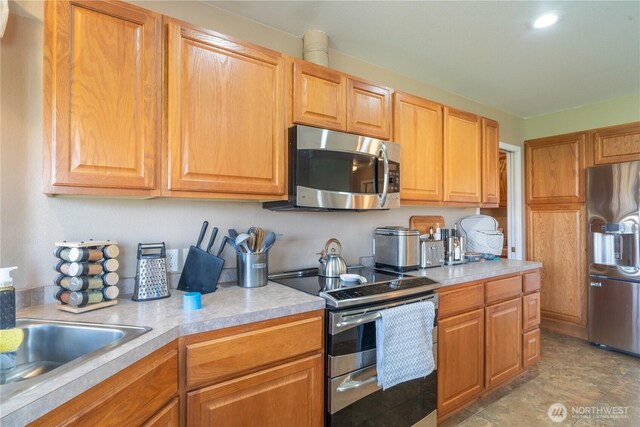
617 246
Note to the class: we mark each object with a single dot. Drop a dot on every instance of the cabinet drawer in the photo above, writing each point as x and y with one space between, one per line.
130 397
237 352
530 348
460 299
503 289
531 282
530 311
169 416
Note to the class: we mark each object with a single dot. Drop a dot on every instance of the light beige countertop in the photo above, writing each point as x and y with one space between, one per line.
229 306
454 274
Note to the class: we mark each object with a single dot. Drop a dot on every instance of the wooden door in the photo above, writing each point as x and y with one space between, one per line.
288 395
616 144
368 109
319 96
503 341
490 163
530 348
460 359
502 168
225 116
556 237
102 92
169 416
462 156
530 311
555 169
418 130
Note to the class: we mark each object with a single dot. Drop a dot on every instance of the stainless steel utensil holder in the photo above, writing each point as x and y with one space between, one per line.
253 269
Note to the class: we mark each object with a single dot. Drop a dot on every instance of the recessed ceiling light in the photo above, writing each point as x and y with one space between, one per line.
545 20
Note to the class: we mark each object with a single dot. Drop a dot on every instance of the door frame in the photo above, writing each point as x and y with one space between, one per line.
515 228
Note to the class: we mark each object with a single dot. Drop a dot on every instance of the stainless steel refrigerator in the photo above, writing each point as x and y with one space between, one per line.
613 199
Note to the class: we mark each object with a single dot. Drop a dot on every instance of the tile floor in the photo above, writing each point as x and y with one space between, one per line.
580 376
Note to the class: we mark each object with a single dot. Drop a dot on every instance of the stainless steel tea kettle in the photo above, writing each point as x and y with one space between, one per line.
331 264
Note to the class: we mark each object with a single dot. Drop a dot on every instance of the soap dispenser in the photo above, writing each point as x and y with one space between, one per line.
7 299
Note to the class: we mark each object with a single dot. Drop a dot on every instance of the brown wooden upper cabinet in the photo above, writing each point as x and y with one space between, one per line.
225 116
330 99
418 130
555 169
462 156
616 144
102 92
490 164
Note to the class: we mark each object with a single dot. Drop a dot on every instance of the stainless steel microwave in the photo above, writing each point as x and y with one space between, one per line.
331 170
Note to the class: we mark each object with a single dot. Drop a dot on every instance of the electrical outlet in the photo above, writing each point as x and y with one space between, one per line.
172 261
185 252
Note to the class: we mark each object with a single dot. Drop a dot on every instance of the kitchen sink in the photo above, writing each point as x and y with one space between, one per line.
51 348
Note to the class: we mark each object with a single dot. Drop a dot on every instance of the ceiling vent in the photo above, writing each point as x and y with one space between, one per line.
315 47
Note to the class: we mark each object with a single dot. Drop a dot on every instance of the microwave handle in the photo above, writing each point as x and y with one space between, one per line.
385 185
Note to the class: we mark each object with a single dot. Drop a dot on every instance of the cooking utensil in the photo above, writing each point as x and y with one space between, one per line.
202 269
241 242
233 233
331 264
269 240
151 273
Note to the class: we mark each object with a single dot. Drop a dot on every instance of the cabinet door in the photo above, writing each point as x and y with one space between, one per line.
225 115
462 156
555 237
503 341
460 359
530 348
530 311
418 130
319 96
555 169
368 109
169 416
102 92
286 395
616 144
502 167
490 164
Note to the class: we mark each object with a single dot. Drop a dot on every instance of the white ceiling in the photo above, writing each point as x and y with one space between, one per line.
483 50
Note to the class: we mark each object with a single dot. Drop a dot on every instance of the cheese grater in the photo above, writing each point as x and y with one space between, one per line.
151 273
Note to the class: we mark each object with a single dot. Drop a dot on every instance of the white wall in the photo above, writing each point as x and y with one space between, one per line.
31 222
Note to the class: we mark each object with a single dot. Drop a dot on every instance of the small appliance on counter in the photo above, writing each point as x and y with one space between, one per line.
151 273
481 232
431 253
396 248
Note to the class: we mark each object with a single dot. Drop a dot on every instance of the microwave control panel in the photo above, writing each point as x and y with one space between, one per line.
394 177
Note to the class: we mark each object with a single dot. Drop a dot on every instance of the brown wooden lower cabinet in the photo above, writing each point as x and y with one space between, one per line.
460 359
530 348
502 341
487 333
287 395
130 397
169 416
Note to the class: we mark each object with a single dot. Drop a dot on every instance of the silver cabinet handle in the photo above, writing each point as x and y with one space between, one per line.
596 284
385 184
349 384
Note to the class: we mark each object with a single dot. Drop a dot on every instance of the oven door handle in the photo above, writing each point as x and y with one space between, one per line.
349 384
358 320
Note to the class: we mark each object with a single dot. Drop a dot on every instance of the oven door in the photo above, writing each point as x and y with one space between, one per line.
353 395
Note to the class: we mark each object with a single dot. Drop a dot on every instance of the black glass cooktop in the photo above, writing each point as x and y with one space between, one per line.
380 286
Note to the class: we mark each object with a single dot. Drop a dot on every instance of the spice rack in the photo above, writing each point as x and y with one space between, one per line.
87 276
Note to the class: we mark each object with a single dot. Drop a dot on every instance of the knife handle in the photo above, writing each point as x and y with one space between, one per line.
212 239
202 232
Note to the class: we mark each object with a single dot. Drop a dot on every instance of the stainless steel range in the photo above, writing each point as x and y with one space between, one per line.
352 395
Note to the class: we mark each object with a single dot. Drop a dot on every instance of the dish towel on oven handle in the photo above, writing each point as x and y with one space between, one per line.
404 343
